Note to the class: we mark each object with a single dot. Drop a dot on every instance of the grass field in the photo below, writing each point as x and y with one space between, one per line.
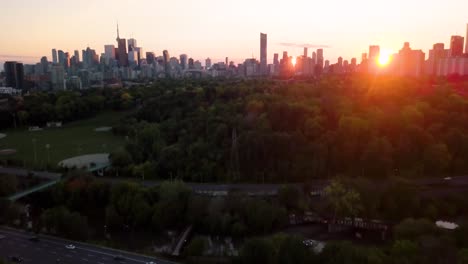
73 139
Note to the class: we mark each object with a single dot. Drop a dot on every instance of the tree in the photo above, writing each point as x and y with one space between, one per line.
462 256
345 202
289 197
412 229
292 251
8 185
404 252
196 247
256 251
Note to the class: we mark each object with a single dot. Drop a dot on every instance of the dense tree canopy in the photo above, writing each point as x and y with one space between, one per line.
267 131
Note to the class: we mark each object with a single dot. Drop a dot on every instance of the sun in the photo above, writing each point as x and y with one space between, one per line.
384 58
293 61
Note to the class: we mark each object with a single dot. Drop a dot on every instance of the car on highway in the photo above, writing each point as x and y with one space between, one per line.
119 257
16 259
151 262
70 246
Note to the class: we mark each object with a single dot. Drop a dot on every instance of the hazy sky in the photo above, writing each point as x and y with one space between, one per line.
220 28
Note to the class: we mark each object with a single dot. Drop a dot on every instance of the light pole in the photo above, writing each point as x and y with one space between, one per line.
35 153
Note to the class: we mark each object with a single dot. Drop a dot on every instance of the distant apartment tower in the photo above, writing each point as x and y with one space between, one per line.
166 61
184 61
61 57
373 57
109 53
409 62
150 57
132 44
77 56
54 56
263 54
435 56
58 77
275 59
133 58
305 52
320 59
14 73
208 63
456 46
374 52
122 52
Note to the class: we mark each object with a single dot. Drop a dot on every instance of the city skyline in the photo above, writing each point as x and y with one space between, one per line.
232 35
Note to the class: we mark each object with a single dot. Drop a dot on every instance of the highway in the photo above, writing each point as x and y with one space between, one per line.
48 250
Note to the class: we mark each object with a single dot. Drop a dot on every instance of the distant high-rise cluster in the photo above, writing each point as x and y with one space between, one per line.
126 61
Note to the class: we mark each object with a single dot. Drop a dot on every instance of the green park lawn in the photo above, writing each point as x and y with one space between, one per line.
73 139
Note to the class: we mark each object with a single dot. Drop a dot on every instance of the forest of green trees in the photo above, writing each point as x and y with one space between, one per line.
268 131
374 134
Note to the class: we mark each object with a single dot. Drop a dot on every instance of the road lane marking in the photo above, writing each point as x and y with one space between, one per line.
84 259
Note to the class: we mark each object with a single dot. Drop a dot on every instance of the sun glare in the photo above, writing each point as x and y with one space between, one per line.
384 58
293 61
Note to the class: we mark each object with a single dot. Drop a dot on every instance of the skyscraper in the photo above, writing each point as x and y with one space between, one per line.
374 52
208 63
435 56
61 57
285 57
183 61
66 60
77 56
319 61
122 50
275 59
132 44
305 52
54 56
14 73
150 57
109 53
44 65
166 61
263 54
57 77
456 46
133 58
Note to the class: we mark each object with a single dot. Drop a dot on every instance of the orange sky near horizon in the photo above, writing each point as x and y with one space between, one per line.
219 29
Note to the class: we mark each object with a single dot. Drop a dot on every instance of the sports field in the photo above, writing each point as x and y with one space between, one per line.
52 145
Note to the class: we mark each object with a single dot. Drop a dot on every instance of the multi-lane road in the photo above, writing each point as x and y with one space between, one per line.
49 250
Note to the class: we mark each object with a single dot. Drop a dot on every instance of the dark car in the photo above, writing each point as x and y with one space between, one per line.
119 258
16 259
34 239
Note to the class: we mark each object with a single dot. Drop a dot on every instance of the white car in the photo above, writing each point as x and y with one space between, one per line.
151 262
70 246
